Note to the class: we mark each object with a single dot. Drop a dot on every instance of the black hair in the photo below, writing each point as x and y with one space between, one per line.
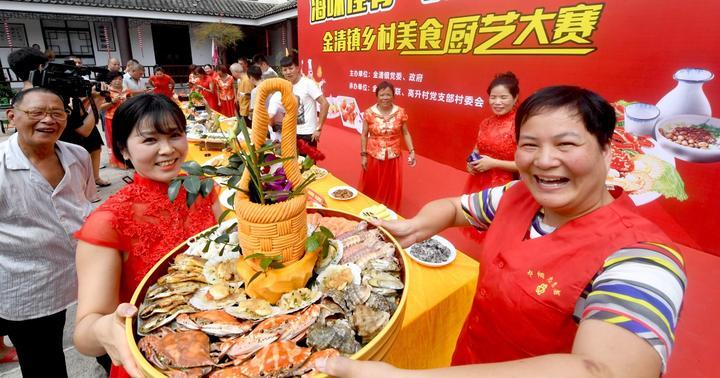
507 80
112 75
18 99
159 68
24 60
596 113
157 110
259 58
223 68
384 84
254 72
289 60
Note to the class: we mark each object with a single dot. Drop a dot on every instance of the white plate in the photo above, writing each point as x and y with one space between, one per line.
335 188
225 198
442 241
320 173
393 215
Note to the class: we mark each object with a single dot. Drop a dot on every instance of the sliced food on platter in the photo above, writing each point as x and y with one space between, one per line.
642 169
351 305
378 211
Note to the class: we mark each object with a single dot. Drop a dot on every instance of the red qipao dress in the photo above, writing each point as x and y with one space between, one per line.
226 95
140 221
528 288
203 84
120 97
382 180
495 138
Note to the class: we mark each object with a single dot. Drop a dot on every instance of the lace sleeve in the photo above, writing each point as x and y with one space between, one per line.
98 230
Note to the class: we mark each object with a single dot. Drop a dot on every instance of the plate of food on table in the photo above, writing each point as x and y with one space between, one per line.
342 193
434 252
378 211
198 316
319 173
644 170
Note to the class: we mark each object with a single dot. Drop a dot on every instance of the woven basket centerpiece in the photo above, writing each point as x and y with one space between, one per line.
276 230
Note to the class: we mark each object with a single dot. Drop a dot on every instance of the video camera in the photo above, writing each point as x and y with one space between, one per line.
67 79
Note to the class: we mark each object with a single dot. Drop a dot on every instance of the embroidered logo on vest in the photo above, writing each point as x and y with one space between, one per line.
544 284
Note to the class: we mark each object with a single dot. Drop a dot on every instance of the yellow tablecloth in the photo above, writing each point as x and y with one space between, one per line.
437 305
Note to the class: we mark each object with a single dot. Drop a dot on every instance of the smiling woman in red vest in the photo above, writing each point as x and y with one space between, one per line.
572 281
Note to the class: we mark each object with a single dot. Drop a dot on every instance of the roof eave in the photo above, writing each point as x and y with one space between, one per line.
144 14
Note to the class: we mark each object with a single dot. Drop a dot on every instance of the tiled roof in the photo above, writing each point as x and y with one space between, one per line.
250 9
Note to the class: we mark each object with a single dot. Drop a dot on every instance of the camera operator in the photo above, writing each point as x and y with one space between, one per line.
28 64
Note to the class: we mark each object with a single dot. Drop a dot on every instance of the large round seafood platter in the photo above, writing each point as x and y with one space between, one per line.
195 319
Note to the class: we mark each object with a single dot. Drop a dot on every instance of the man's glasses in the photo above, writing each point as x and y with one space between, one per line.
38 114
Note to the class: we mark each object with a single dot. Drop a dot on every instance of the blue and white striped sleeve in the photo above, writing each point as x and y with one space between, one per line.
479 208
641 289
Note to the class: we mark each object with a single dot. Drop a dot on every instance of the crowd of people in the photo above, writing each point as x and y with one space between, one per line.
536 189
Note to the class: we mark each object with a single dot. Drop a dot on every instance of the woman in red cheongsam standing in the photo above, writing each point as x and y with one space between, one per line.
224 82
491 162
384 125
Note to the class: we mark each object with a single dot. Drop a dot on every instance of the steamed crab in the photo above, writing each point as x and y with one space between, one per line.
290 327
170 350
215 322
278 359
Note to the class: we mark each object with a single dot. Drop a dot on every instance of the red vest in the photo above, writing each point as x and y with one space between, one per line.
528 288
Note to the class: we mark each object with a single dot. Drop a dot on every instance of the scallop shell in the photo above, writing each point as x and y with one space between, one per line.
213 276
240 310
333 257
333 272
314 296
200 299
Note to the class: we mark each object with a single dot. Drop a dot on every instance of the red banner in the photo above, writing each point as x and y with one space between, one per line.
441 55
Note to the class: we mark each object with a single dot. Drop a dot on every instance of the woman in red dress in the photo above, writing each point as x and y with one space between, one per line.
124 237
572 282
224 82
205 85
162 83
384 125
117 97
491 162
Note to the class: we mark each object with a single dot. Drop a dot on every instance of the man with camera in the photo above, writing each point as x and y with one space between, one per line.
45 191
67 80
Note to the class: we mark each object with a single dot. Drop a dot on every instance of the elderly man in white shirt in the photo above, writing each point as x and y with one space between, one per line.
136 84
45 191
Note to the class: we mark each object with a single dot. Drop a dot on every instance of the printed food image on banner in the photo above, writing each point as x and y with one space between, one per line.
653 60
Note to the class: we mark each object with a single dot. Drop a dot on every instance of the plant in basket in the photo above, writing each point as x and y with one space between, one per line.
269 199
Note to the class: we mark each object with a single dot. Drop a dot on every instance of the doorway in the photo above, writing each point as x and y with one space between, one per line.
172 49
